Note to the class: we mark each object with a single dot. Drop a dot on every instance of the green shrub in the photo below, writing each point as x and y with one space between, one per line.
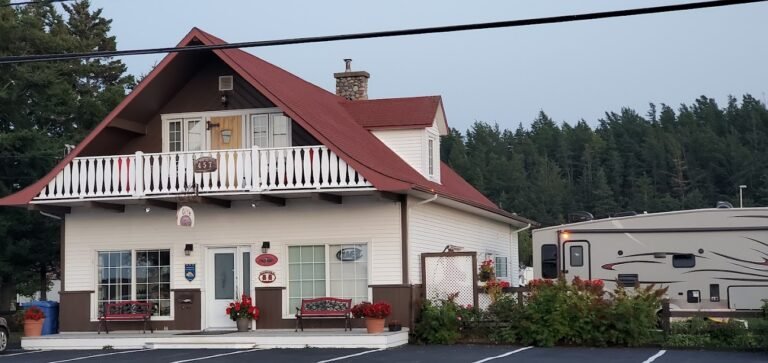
438 323
633 316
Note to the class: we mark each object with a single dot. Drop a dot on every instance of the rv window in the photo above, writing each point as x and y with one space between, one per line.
683 261
577 256
549 261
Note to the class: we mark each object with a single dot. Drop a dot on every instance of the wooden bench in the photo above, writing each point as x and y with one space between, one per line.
324 307
126 311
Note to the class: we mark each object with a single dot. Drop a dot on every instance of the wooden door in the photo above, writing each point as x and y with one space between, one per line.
226 132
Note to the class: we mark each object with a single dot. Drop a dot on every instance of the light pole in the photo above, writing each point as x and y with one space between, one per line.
741 195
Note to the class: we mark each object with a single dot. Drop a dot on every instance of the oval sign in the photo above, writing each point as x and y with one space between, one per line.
205 164
267 277
349 254
266 259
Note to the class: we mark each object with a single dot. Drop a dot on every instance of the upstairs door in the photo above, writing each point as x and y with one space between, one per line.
576 255
226 132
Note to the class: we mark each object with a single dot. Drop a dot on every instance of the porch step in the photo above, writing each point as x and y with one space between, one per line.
264 339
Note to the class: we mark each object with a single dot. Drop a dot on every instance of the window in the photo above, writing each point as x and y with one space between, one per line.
186 134
339 271
577 256
502 269
271 130
431 156
153 279
549 261
683 261
143 276
114 282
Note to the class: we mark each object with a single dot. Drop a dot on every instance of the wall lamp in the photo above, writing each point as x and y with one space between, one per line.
188 248
265 247
224 99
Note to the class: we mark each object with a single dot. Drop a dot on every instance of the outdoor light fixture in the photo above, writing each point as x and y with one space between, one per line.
265 247
188 248
224 99
226 136
147 209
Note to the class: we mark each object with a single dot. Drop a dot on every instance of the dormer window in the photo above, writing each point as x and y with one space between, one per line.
431 157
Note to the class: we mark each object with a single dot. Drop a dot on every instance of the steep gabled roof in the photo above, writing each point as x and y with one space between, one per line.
319 112
395 113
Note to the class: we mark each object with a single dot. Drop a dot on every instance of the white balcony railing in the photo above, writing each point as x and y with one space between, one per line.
239 171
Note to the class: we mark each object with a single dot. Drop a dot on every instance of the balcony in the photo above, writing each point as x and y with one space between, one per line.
238 171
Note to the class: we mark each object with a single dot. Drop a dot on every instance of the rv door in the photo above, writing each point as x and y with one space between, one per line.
576 260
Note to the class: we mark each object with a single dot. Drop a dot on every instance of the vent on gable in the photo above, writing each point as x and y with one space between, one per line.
226 83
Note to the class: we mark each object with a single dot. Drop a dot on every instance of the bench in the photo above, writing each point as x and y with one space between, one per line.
126 311
324 307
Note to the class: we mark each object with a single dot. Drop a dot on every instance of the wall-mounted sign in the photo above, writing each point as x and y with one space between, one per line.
266 259
349 254
185 216
205 164
189 271
267 277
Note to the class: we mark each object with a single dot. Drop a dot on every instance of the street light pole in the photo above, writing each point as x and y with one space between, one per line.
741 197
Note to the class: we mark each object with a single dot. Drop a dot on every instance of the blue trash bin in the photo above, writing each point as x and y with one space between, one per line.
51 311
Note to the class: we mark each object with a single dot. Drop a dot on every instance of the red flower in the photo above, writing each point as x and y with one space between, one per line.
229 311
237 306
33 313
379 310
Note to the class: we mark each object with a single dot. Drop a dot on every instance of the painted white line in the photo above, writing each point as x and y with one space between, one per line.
350 356
655 356
503 355
22 353
99 355
216 355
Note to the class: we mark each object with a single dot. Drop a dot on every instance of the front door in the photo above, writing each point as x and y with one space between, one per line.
226 132
228 277
576 254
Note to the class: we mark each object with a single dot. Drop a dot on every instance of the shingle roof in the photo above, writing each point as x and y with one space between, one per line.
394 113
323 114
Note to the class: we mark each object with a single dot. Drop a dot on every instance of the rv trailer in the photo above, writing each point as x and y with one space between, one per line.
710 259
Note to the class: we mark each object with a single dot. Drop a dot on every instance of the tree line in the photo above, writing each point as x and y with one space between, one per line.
670 159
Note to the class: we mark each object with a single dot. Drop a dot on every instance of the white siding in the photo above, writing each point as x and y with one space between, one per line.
433 226
358 219
411 145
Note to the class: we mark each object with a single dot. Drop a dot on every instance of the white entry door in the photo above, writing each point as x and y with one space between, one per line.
228 276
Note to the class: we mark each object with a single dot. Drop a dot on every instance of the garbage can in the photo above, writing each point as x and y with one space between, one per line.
51 311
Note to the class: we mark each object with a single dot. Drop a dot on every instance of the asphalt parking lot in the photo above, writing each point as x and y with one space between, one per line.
412 353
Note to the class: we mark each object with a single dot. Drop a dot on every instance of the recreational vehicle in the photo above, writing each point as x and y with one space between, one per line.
710 259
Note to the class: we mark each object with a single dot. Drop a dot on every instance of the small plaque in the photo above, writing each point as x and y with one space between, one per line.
349 254
206 164
189 271
266 259
185 216
267 277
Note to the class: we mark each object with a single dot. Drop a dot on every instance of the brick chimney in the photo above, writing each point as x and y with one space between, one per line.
352 85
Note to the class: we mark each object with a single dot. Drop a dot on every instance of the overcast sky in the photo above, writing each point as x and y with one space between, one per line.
571 71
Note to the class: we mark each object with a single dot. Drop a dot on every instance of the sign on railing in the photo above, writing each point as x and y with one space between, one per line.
236 170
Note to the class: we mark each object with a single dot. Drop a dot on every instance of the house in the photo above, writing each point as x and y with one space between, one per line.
221 174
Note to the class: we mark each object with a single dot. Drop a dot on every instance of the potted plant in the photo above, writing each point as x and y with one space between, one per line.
494 288
374 315
33 321
487 271
395 325
242 312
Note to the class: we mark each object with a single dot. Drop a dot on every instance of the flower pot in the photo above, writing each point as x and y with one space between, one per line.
374 325
33 328
395 326
243 324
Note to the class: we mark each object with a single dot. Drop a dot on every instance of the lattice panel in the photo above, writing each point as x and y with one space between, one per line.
447 275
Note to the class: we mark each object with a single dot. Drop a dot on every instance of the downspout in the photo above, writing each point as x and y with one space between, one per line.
425 201
49 215
516 282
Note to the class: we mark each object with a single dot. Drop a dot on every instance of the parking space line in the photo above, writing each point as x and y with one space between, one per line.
655 356
99 355
503 355
216 355
350 356
22 353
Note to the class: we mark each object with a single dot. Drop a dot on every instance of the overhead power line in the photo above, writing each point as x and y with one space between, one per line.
383 34
34 2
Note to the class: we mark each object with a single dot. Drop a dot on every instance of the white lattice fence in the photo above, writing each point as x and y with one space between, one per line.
448 274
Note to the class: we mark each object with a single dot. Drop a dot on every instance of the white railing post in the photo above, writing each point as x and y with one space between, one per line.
255 177
138 183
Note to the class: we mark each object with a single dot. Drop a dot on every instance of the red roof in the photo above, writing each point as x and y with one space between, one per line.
394 113
324 115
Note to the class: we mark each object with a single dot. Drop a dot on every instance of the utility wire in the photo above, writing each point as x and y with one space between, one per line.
34 2
383 34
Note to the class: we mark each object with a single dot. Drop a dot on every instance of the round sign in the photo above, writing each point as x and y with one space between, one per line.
267 277
266 259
